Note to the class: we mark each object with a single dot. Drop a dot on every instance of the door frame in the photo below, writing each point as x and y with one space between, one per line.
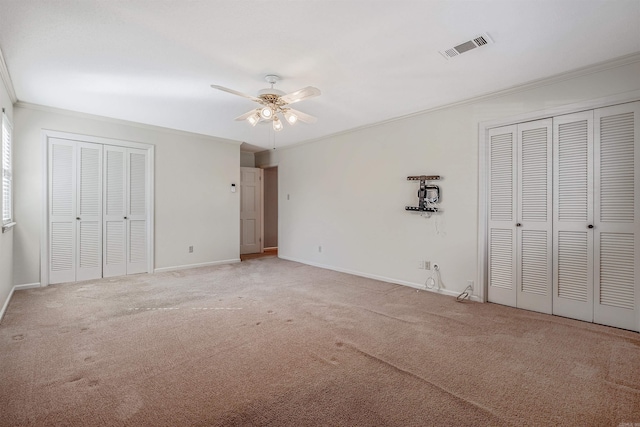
267 166
277 201
483 168
44 231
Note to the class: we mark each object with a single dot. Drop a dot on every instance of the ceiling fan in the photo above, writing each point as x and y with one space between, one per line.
274 103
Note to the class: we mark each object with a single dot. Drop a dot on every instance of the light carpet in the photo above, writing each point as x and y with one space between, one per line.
269 342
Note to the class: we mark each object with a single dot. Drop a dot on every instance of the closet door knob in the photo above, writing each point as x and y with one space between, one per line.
125 217
518 225
590 226
78 218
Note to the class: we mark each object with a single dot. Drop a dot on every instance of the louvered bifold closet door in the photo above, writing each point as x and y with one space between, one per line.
137 205
573 216
617 216
502 215
115 203
62 210
89 211
534 216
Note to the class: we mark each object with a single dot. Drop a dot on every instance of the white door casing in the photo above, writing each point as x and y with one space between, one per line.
250 210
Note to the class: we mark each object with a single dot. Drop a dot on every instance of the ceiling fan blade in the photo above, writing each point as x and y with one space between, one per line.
303 117
300 95
246 115
235 92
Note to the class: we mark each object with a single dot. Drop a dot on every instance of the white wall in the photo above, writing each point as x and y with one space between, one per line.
247 159
6 239
193 176
348 192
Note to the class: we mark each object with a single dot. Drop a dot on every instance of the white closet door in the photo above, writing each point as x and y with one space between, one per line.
114 230
617 216
137 205
573 216
502 215
534 216
75 211
62 211
89 211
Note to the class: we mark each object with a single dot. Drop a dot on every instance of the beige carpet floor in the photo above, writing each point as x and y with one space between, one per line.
268 342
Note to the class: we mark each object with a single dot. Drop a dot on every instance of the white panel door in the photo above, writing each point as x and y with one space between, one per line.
62 211
137 208
250 210
502 215
617 216
534 216
89 211
114 227
573 216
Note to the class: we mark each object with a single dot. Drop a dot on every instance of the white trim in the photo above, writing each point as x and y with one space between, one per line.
6 79
483 129
546 81
44 236
37 107
13 289
419 286
202 264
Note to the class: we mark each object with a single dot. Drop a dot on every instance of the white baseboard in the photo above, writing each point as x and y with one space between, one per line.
16 288
381 278
203 264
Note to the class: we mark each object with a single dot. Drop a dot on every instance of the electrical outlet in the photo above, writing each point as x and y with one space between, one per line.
190 249
427 265
470 284
320 249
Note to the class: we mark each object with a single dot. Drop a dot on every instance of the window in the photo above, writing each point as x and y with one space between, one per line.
7 181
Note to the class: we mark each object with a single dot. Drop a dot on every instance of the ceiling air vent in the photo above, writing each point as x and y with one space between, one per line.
479 41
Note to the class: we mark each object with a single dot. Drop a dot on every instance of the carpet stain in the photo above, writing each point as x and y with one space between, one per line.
584 371
130 404
18 337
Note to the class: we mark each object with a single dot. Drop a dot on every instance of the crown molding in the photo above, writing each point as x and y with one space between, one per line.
546 81
154 128
6 79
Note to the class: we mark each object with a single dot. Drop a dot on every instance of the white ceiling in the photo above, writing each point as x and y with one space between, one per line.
152 61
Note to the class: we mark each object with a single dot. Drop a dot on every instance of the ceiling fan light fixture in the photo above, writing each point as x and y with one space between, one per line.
253 120
266 113
277 124
291 118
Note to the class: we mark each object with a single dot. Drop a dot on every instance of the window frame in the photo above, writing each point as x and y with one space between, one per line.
6 167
